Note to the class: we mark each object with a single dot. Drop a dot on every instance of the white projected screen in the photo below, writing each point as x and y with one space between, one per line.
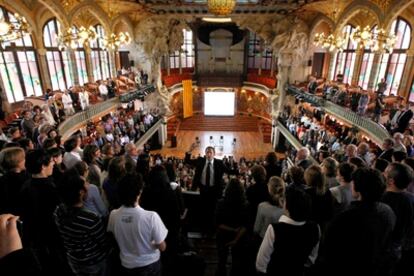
219 103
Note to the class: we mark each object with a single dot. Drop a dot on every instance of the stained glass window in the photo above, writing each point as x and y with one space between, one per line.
186 55
392 64
256 47
345 60
18 66
100 56
58 62
366 66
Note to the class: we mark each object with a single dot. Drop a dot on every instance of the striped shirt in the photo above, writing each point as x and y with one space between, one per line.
83 233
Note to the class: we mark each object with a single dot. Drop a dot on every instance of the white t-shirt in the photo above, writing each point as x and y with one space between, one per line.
136 232
103 90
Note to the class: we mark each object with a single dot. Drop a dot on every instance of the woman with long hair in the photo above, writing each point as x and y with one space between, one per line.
116 170
322 199
232 224
90 155
158 196
270 211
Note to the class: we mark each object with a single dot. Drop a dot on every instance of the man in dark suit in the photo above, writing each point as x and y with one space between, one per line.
208 178
387 145
404 119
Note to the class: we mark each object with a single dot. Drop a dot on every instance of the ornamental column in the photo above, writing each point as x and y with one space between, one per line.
88 61
285 64
358 64
331 69
44 72
73 66
112 66
372 83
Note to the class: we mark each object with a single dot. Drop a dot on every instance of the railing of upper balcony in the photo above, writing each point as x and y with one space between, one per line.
256 87
80 119
373 130
148 134
100 109
291 139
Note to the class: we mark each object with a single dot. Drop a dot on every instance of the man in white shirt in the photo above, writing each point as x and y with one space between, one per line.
84 99
140 234
72 155
67 103
103 90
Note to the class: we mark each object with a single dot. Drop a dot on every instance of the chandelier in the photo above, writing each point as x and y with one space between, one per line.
17 28
73 37
376 40
114 41
330 42
221 7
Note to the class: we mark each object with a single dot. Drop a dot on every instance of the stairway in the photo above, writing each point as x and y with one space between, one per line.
221 123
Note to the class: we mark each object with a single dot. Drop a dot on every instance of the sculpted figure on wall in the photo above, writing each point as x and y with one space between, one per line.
163 100
159 36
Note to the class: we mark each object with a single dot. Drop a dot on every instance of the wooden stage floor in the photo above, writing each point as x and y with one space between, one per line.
248 144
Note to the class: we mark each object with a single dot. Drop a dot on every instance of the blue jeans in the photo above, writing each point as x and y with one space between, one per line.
153 269
99 269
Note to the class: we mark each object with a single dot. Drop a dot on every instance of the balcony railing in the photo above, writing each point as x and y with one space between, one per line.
178 87
292 139
256 87
374 131
80 119
148 134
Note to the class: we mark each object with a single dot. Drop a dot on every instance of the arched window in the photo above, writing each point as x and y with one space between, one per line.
18 65
366 66
99 56
392 65
345 60
58 62
186 54
257 46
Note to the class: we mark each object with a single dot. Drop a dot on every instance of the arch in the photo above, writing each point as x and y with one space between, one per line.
122 18
396 11
56 9
319 20
95 10
355 8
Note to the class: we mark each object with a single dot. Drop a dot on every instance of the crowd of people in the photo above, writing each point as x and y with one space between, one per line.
95 211
395 117
98 205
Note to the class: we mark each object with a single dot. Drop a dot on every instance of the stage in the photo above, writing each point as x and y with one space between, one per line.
248 144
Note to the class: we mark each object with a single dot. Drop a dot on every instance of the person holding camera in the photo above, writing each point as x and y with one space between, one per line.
14 260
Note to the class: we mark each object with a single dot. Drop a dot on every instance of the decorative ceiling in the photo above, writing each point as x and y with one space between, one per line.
243 7
306 10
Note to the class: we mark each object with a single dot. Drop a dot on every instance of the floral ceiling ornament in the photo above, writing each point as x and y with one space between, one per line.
331 42
15 29
221 7
376 39
74 37
113 41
